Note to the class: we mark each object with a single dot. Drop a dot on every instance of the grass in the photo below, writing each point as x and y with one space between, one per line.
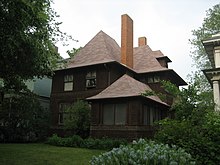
43 154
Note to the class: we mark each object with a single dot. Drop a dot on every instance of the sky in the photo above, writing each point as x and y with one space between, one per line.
167 24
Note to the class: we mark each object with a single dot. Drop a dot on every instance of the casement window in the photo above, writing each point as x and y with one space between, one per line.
114 114
151 115
62 112
91 79
68 83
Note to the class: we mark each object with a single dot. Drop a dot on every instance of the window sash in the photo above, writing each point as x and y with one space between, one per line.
148 115
68 86
91 79
120 114
114 114
62 115
108 114
68 78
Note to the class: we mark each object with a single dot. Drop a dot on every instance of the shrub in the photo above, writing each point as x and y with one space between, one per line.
54 140
202 141
23 119
144 153
73 141
90 143
78 122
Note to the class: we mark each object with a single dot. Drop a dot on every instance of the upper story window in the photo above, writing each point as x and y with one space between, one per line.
91 79
68 82
153 79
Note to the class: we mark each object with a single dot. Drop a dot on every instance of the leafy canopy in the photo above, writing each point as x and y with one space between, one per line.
28 31
210 26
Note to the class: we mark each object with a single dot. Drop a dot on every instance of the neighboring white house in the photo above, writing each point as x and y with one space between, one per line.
41 87
212 47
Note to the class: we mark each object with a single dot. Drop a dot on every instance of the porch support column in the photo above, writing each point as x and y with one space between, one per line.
216 93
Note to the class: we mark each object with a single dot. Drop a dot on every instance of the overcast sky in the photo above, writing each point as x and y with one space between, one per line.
167 24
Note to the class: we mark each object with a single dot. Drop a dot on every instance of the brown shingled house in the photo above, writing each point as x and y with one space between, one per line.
113 79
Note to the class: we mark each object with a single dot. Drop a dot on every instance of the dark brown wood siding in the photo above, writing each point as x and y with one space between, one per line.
134 127
106 74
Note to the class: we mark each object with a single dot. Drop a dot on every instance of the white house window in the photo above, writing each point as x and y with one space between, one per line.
91 80
62 113
114 114
68 82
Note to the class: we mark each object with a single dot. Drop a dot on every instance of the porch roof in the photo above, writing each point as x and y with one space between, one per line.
126 86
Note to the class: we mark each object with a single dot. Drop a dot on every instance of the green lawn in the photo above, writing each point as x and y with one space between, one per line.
43 154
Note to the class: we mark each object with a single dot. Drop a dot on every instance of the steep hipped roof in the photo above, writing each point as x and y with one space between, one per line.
101 49
145 61
125 86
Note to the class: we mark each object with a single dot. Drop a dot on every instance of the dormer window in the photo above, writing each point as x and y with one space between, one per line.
68 82
91 79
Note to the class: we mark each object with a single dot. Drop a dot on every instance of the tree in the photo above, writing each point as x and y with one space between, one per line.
210 26
28 31
73 52
78 118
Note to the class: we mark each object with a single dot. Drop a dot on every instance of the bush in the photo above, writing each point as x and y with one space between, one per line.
90 143
143 153
202 141
23 119
78 122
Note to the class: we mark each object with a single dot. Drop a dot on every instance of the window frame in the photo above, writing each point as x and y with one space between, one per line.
153 79
124 122
61 113
68 80
150 115
91 79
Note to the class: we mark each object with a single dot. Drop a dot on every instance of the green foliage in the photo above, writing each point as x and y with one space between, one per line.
144 153
201 139
195 127
28 31
78 120
73 52
90 143
210 26
23 119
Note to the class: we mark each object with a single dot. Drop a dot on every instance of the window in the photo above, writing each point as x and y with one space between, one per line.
153 79
156 79
91 80
148 115
114 114
62 113
68 82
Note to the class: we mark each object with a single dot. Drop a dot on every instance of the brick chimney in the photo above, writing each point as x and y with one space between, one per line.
142 41
127 40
